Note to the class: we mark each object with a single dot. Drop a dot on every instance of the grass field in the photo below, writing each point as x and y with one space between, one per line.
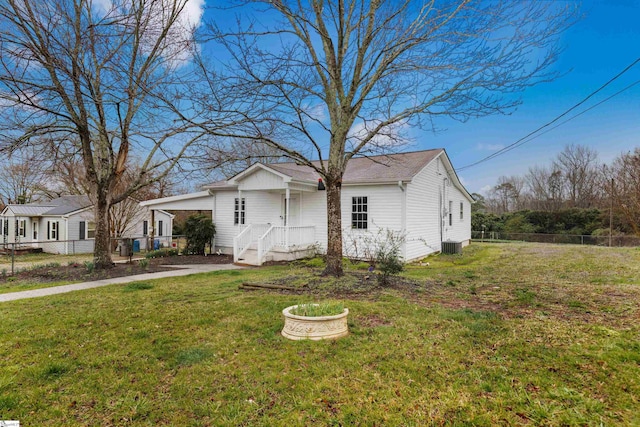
506 334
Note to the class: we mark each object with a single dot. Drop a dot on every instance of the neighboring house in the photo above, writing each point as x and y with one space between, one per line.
64 225
276 211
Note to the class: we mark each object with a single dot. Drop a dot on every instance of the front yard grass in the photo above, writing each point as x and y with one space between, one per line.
506 334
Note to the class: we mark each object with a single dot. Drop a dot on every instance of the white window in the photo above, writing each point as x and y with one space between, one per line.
35 230
359 213
145 228
461 211
450 213
239 211
22 227
53 228
91 230
160 228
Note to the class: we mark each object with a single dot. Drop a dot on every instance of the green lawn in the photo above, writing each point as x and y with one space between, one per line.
507 334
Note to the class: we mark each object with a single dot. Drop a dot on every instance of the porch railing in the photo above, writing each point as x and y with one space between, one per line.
285 237
246 238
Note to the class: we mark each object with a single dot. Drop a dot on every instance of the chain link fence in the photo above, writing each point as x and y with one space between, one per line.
11 253
574 239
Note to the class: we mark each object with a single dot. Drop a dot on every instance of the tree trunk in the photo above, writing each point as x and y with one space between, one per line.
102 249
334 227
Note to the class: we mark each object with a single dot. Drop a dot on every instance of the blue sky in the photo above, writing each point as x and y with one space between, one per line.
598 47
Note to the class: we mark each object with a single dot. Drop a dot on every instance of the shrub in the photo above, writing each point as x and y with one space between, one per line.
380 249
199 231
389 262
90 266
161 253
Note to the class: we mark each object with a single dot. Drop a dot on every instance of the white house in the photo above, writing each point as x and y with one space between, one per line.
276 211
64 225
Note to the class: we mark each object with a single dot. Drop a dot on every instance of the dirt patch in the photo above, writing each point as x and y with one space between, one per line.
510 299
195 259
84 272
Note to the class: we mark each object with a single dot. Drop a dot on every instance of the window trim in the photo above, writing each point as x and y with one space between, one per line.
450 213
91 231
239 211
53 230
360 212
461 211
82 230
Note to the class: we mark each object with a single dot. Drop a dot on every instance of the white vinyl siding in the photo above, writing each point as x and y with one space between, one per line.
423 212
223 219
261 180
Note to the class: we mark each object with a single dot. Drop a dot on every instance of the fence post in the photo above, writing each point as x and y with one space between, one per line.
13 257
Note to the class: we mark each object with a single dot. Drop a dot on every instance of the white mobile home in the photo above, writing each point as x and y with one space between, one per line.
276 211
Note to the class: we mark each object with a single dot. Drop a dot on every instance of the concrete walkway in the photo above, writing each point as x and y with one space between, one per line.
181 270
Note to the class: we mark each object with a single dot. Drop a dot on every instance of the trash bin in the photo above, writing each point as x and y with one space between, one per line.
126 246
156 244
136 246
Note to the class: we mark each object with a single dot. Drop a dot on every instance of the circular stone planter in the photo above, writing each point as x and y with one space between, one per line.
314 328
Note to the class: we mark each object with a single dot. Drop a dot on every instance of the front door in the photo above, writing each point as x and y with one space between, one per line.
34 234
294 211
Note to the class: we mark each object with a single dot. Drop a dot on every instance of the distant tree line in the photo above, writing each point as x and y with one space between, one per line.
575 194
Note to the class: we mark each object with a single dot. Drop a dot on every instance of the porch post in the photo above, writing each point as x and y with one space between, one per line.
240 210
287 197
152 230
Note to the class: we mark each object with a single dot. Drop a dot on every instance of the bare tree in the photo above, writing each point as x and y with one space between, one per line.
230 157
624 189
96 76
334 79
23 176
506 195
547 187
579 167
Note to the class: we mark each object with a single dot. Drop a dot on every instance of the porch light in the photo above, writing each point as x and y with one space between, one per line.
320 184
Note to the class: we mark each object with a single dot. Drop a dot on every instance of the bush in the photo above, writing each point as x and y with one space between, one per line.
199 231
389 263
161 253
380 249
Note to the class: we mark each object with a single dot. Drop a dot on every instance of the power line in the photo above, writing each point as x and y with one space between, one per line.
582 112
529 137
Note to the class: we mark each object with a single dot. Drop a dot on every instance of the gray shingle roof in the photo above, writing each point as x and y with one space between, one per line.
60 206
67 204
384 168
28 210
